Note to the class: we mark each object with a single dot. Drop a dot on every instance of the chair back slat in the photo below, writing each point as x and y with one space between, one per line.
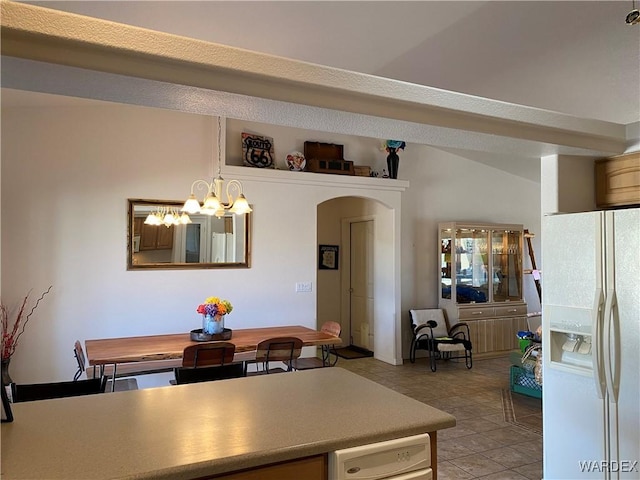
208 354
208 374
279 349
78 352
44 391
421 317
332 328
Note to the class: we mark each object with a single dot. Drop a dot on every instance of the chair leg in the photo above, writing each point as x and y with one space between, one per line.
332 351
412 351
325 355
468 361
433 356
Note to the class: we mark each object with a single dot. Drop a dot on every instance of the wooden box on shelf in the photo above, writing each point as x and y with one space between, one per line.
327 158
340 167
362 171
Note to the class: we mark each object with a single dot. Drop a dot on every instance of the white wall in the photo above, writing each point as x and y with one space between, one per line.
568 184
66 175
447 187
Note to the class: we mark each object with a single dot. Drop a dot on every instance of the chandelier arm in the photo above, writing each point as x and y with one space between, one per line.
233 185
201 185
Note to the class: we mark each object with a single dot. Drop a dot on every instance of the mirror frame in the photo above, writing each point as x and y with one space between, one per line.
132 202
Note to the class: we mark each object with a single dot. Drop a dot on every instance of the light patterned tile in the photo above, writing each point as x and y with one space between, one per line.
449 449
504 475
507 456
477 465
479 442
448 471
510 435
498 419
533 471
474 397
478 425
455 432
533 450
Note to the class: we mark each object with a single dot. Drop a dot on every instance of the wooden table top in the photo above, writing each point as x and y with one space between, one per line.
163 347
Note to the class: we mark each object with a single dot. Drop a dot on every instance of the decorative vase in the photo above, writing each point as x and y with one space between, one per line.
212 325
392 162
6 378
218 324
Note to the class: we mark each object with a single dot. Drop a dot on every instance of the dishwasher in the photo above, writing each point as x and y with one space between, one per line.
406 458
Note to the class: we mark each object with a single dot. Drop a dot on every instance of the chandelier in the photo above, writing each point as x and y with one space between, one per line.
213 203
167 216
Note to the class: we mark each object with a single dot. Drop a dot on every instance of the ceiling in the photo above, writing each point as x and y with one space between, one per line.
578 58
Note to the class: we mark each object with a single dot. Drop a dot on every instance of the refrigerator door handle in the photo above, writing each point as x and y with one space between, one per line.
596 344
611 343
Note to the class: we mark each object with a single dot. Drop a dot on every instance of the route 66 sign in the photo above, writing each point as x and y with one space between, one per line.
257 151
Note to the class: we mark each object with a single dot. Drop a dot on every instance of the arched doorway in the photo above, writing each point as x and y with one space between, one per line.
376 328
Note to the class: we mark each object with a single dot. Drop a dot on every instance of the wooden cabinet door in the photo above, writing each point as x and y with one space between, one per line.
137 225
149 237
154 237
164 238
309 468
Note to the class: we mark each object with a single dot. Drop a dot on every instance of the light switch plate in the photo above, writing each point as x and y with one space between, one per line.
303 287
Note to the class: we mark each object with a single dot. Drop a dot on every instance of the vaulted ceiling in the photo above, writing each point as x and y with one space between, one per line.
578 58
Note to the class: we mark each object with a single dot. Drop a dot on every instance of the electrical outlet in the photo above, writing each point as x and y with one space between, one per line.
303 287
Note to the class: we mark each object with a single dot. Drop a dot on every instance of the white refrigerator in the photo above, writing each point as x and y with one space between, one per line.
591 345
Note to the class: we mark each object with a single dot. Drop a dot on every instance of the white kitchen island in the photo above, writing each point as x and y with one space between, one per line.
205 430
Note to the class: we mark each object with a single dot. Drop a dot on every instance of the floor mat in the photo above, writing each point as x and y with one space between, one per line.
523 411
352 352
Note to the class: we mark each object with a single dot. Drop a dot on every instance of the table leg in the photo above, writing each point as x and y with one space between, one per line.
113 380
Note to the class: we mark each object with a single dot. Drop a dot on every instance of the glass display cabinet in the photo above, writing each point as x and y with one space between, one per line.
481 274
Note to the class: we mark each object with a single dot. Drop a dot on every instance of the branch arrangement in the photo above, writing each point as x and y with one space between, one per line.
11 333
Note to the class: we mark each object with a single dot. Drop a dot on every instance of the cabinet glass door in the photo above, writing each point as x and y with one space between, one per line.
507 265
472 266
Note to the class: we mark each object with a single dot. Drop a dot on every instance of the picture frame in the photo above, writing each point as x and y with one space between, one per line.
7 414
328 257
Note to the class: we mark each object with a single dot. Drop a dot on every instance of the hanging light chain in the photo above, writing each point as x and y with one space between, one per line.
219 146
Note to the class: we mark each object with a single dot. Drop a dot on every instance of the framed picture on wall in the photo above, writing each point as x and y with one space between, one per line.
328 256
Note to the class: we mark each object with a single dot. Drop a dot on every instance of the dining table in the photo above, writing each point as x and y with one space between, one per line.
149 348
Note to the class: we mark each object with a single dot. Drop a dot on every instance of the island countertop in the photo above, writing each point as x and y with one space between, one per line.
190 431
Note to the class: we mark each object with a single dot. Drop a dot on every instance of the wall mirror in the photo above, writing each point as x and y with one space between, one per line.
205 242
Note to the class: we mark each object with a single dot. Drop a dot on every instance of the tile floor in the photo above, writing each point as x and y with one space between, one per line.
483 444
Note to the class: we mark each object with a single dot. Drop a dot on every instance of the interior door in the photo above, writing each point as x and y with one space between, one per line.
361 284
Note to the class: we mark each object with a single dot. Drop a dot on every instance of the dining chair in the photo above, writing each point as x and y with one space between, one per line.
276 349
208 374
44 391
207 362
329 355
78 352
208 354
